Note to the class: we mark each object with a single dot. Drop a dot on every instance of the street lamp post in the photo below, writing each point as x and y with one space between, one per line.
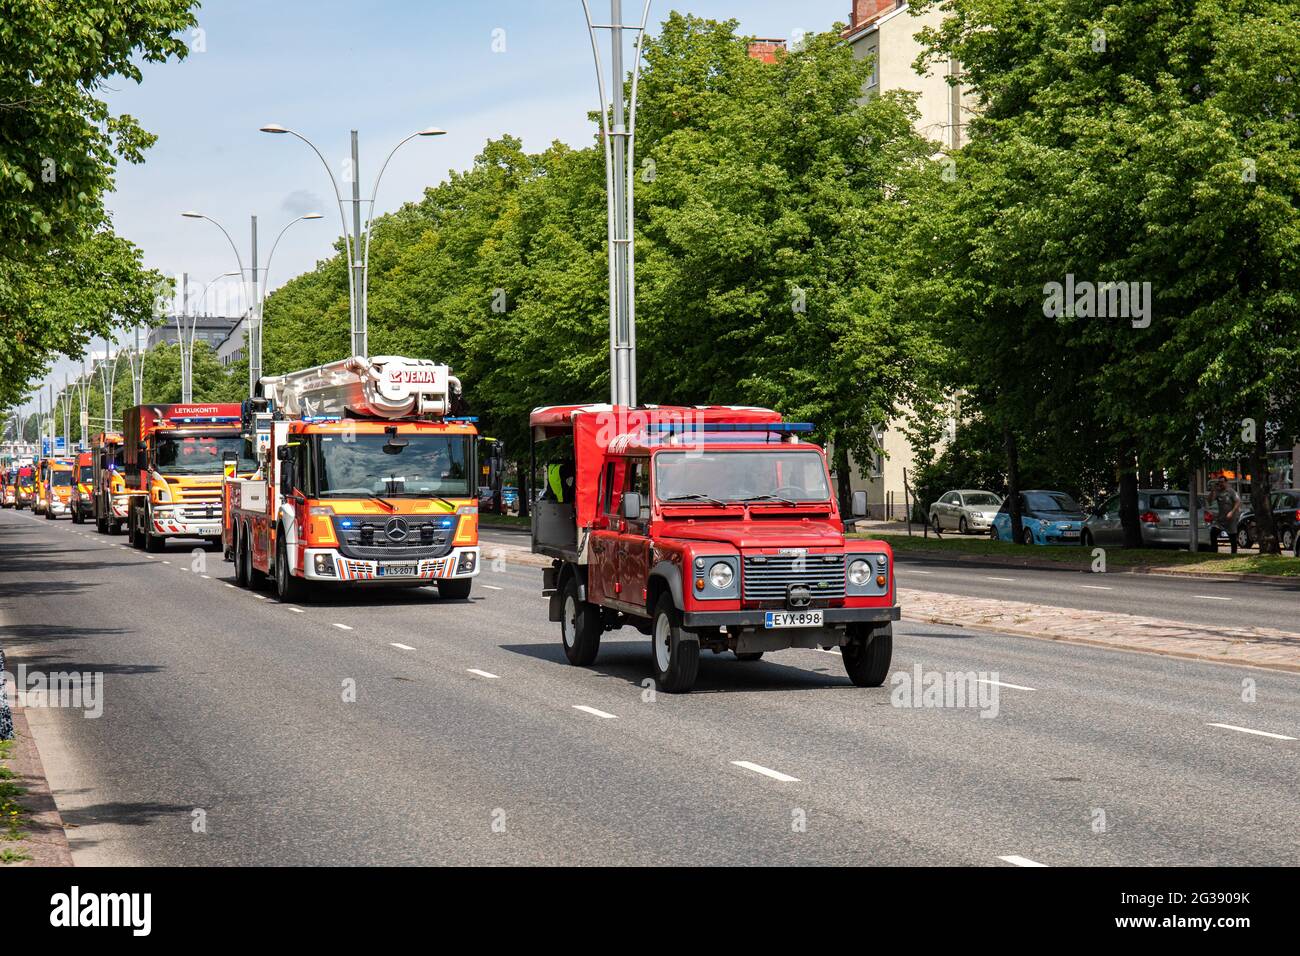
187 350
358 259
618 129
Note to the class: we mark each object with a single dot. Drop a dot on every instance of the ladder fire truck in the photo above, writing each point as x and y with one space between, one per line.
364 477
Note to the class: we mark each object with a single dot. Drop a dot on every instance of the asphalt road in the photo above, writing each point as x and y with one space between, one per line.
472 741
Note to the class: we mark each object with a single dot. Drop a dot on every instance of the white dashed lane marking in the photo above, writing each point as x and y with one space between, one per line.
594 712
1020 861
489 676
765 771
1247 730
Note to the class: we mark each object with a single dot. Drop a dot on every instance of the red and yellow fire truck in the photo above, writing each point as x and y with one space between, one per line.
173 459
705 528
82 500
363 477
110 499
58 488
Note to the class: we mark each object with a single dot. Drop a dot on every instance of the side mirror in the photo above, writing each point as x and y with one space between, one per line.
859 504
283 453
630 506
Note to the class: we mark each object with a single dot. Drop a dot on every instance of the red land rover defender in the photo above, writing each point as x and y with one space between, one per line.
704 527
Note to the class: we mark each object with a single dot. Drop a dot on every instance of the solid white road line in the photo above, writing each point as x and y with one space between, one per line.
1096 587
987 578
297 610
493 587
475 670
1247 730
342 627
1020 861
998 683
229 585
915 571
765 771
402 647
594 712
1212 597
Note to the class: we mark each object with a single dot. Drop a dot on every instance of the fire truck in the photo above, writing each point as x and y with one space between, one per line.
110 499
25 487
173 462
363 477
82 501
58 488
704 528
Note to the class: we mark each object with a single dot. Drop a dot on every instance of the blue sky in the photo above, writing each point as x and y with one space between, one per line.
386 68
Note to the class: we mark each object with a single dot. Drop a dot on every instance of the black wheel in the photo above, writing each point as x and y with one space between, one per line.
1288 539
115 527
993 533
49 515
1243 538
962 527
1085 539
455 589
1026 536
935 525
751 656
287 587
867 658
241 559
580 625
676 652
76 515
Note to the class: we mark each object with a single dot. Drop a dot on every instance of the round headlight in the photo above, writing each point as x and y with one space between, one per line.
859 573
721 575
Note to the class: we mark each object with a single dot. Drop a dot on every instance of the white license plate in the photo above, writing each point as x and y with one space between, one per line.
793 619
1069 534
1182 522
398 570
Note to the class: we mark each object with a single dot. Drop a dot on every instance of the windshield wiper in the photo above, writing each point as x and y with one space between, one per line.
784 501
694 497
359 493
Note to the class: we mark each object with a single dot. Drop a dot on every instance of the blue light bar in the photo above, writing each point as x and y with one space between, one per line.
205 420
472 419
674 427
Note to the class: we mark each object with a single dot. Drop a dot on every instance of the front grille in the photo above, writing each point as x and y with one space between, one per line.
198 511
766 577
426 537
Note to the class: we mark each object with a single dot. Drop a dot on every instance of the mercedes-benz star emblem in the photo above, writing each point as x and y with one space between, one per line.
397 529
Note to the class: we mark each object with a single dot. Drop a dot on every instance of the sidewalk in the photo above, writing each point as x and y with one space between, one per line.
1248 646
43 840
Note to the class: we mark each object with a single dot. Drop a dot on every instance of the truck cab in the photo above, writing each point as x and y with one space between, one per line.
8 487
705 528
25 487
110 498
39 485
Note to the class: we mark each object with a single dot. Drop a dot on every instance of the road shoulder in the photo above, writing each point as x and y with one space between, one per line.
44 841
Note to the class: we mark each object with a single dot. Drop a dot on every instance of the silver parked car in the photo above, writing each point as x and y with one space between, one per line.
968 511
1162 516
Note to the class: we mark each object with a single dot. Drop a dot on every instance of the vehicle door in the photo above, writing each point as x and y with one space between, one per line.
1110 528
949 510
633 539
602 544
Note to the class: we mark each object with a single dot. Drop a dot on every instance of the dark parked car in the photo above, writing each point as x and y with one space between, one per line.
1286 521
1163 519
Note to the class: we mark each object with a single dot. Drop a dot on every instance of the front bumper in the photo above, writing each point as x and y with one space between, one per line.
121 506
832 616
58 507
186 529
318 563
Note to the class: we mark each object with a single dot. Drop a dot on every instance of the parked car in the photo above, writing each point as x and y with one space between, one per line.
510 498
964 511
1163 518
1046 517
1286 521
486 505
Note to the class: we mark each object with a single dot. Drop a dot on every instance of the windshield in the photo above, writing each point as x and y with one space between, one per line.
198 454
729 476
61 479
412 465
87 473
1050 501
981 498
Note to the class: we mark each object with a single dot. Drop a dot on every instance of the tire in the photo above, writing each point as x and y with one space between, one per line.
935 525
1288 539
993 533
241 567
676 653
455 589
287 587
962 527
1085 539
152 543
49 515
134 532
1243 538
580 625
751 656
867 659
1026 536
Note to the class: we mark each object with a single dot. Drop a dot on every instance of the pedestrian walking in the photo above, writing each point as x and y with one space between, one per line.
1228 503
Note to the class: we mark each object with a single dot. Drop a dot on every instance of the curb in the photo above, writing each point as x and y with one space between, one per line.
44 839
